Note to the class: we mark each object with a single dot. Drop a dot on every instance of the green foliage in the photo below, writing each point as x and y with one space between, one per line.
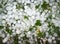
19 6
50 31
16 39
48 19
56 30
38 23
45 5
1 40
59 4
50 16
40 34
1 27
37 6
31 28
5 2
26 17
28 4
8 30
53 29
25 37
0 5
50 24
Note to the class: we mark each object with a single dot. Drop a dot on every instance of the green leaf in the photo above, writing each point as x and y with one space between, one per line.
1 27
26 17
16 39
49 24
1 40
31 28
45 5
56 30
38 23
9 31
59 4
50 32
19 6
0 5
40 34
50 16
25 37
28 4
37 6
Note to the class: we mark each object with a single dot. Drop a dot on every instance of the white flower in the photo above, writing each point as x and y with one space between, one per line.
19 1
9 8
28 34
16 18
14 10
9 12
44 27
3 21
26 7
54 41
22 35
23 1
47 1
27 1
55 22
3 17
19 25
3 35
55 34
17 31
6 39
49 40
53 38
47 34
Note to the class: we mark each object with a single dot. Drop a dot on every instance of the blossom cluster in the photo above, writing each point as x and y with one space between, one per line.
31 19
